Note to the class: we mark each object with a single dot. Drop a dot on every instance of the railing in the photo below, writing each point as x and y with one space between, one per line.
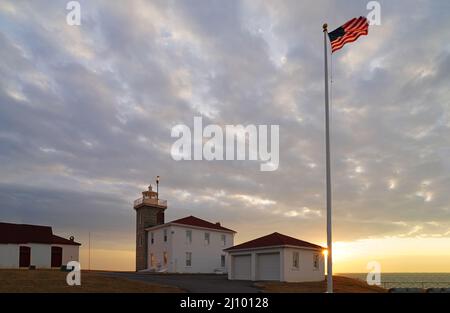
416 284
151 201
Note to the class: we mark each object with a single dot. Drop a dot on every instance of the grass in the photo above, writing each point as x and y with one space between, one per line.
340 285
41 281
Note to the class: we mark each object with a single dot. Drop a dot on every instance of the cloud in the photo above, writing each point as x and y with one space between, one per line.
86 114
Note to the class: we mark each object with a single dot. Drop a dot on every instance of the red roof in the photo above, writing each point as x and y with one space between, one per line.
23 233
195 221
274 240
63 241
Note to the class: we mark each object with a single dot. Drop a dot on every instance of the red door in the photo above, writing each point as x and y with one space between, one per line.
56 256
24 256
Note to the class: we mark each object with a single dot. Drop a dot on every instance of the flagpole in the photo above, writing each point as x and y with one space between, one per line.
328 166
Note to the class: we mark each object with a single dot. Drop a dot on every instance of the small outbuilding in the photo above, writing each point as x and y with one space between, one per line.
22 246
276 257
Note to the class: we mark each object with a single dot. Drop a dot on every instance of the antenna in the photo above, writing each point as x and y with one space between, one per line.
89 252
157 187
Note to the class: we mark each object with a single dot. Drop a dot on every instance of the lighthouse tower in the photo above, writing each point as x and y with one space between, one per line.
149 212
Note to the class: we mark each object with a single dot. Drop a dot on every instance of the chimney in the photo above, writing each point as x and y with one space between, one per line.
218 223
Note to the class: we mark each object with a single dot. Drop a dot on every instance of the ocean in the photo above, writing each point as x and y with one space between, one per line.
408 280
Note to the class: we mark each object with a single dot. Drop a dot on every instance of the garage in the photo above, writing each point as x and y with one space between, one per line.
268 266
242 265
276 257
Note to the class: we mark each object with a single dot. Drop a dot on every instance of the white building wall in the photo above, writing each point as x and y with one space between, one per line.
41 255
306 271
205 258
9 256
158 248
288 273
70 253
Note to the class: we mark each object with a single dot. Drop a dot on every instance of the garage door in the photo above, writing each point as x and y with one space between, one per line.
268 266
242 267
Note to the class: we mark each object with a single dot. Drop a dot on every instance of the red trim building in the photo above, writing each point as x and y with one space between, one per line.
276 257
23 245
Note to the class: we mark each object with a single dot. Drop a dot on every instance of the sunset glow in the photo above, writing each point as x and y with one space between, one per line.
89 116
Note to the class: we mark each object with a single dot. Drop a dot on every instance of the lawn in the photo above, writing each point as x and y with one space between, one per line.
55 281
39 281
341 285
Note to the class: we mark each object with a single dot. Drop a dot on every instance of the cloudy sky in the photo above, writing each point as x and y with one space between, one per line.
86 114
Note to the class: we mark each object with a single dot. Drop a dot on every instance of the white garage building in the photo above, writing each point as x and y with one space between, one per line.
276 257
22 246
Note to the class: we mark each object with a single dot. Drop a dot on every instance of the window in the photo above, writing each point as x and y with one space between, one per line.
140 219
222 261
206 238
152 238
316 261
224 239
165 235
295 259
189 236
165 257
160 218
152 260
188 258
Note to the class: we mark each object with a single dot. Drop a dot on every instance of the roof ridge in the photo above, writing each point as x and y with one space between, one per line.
199 222
14 233
25 224
273 240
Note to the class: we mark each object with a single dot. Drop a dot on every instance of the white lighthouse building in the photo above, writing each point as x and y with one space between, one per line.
185 245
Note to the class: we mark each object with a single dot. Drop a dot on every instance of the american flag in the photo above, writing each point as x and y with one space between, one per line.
348 32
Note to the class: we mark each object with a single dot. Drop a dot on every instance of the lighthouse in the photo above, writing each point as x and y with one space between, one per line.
149 212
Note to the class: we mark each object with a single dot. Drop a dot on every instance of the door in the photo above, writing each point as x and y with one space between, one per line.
24 256
56 256
268 266
242 267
